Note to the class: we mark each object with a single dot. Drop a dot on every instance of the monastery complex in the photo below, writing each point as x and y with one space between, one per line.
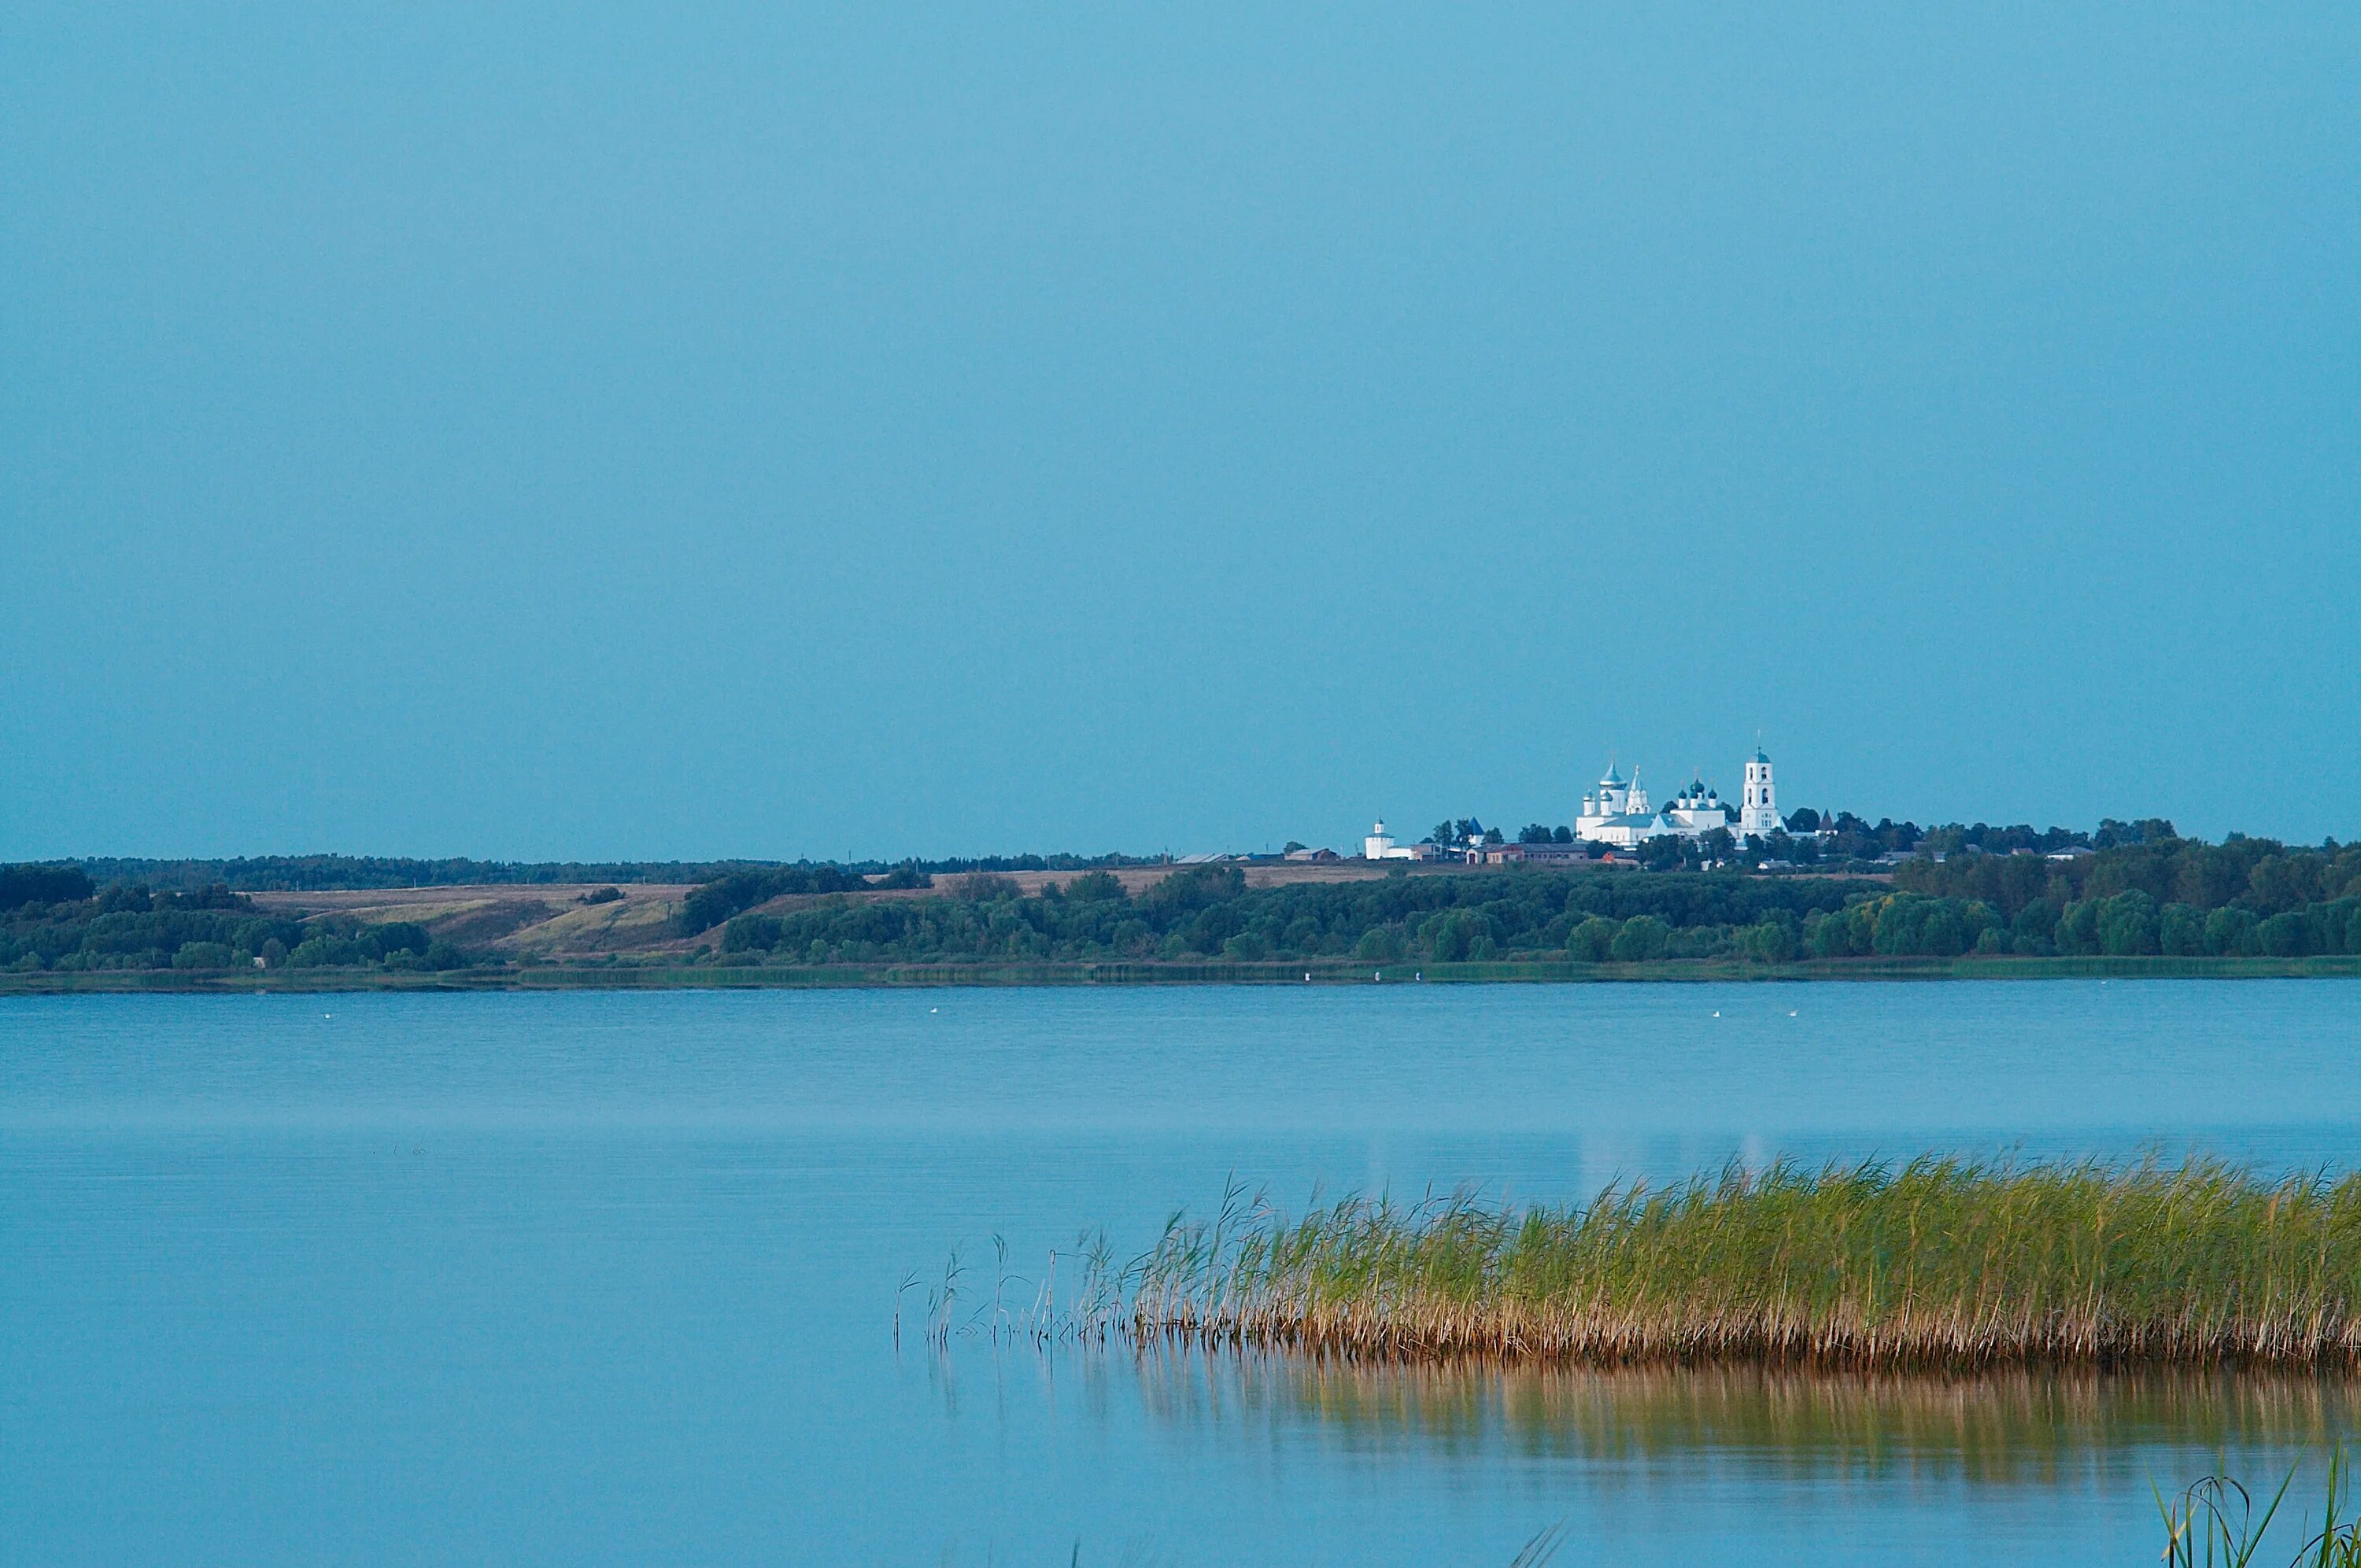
1618 814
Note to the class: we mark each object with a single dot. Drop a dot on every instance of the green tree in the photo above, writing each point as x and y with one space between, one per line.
2230 933
24 884
2127 925
1769 942
402 936
2035 929
2078 927
2285 936
1643 937
1593 940
1094 887
2181 931
1828 936
1448 934
1664 852
2283 882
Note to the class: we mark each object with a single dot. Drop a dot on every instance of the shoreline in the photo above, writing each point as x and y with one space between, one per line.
883 977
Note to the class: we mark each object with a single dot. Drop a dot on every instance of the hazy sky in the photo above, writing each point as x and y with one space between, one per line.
778 430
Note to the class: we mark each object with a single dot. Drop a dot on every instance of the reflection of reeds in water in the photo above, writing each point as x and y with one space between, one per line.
2015 1424
1944 1263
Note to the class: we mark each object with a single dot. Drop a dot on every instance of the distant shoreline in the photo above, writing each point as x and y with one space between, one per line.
881 977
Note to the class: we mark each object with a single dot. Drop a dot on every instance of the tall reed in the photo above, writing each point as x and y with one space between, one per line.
2212 1524
1943 1262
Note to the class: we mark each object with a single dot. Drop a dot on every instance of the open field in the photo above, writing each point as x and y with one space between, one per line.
544 921
1941 1262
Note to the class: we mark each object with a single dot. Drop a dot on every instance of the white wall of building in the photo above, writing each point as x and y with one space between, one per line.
1758 808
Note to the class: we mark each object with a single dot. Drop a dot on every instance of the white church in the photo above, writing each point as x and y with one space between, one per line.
1618 813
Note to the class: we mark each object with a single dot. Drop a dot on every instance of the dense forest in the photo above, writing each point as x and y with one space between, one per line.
58 921
2181 897
1209 912
2157 895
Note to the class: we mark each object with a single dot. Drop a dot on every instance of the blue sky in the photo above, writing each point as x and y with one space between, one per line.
785 431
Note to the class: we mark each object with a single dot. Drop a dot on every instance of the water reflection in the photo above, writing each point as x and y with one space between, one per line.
2021 1427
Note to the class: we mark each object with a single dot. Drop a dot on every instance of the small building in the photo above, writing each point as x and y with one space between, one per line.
1536 854
1380 846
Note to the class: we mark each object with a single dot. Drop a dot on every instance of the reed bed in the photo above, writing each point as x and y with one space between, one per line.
1940 1263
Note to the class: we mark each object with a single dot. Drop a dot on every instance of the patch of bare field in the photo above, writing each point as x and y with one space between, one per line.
353 901
540 919
634 926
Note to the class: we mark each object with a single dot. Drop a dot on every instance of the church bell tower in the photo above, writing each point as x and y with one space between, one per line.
1758 808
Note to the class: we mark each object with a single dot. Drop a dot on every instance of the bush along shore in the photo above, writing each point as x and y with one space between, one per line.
2246 900
1940 1264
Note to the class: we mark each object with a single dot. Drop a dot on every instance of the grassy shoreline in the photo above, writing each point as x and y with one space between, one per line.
1941 1263
704 977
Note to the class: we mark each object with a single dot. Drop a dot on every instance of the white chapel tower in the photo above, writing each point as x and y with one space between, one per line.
1758 811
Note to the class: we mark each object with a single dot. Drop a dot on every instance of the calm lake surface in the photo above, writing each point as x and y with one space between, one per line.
590 1278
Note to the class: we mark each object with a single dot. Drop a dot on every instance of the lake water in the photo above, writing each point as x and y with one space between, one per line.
591 1278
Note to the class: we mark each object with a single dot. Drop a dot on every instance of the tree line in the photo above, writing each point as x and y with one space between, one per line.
2155 894
323 873
129 926
1208 912
2142 890
2149 896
